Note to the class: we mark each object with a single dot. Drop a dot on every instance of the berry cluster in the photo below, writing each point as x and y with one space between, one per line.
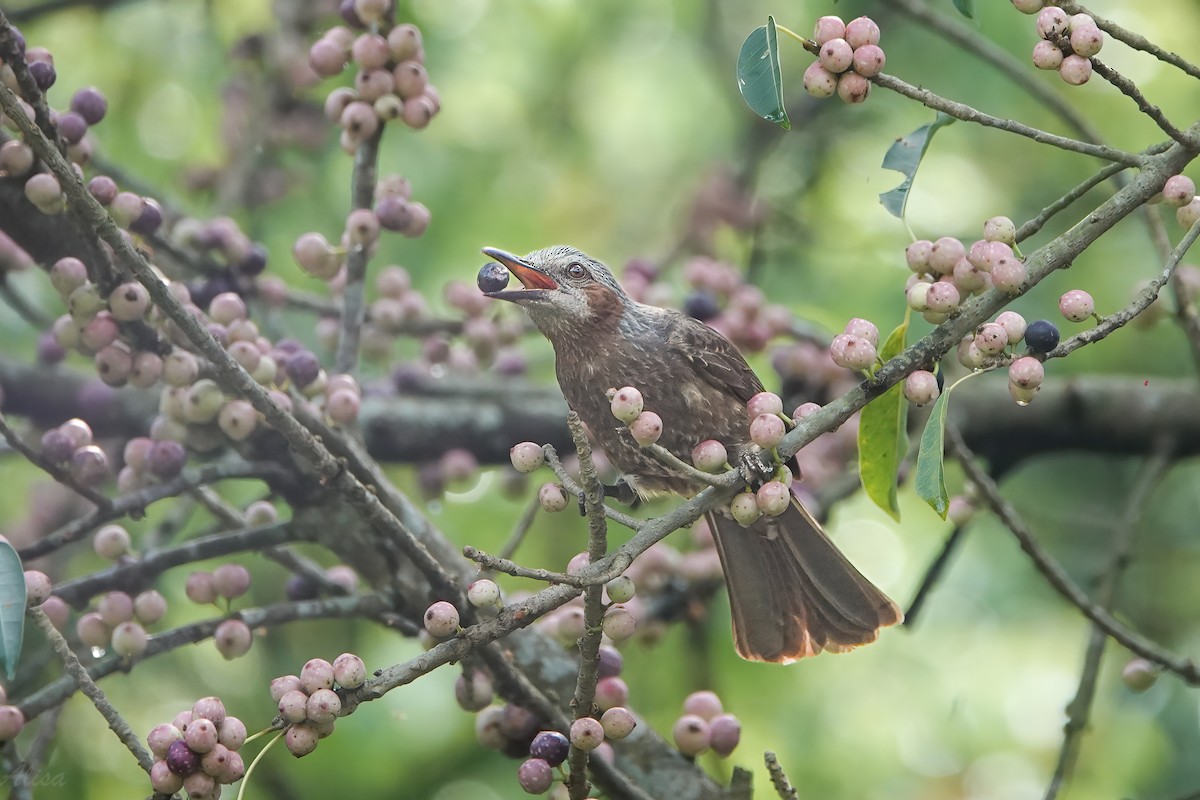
71 445
198 751
720 298
120 622
308 703
704 725
848 55
1179 192
855 347
233 638
1068 42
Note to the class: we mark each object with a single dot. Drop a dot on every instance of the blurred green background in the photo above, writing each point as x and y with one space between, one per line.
597 124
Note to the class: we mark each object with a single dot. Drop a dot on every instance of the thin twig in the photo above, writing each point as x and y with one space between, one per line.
1079 709
574 489
1034 225
682 467
1134 40
1130 90
1055 575
53 470
779 778
932 574
80 676
965 113
362 194
593 604
509 567
1144 299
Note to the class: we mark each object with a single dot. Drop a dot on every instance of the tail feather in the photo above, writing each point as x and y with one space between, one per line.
791 591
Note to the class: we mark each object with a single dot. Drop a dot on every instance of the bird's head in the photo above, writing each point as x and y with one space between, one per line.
562 289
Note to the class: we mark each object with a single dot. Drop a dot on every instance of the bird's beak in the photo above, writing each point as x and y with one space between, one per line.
534 280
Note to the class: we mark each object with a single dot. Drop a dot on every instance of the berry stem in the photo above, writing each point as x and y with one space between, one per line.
254 763
807 43
254 736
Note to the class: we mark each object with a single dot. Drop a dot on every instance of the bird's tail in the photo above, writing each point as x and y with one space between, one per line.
792 592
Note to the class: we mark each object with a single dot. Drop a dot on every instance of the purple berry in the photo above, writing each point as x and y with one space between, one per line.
181 760
726 732
550 746
90 104
166 459
57 446
535 776
303 368
72 126
492 277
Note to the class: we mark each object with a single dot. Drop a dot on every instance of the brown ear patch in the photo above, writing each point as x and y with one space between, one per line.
605 305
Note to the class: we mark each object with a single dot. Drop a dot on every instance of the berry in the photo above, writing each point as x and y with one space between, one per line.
1029 6
856 354
492 277
200 735
293 706
991 339
1076 305
710 456
89 465
483 593
1008 275
526 457
744 508
181 760
1013 324
199 785
618 723
1178 191
1188 215
861 32
473 692
161 737
853 88
726 732
323 706
303 368
1139 675
210 708
441 619
37 587
836 55
317 673
621 589
535 776
550 746
863 329
1075 70
200 588
1086 40
828 28
701 305
869 60
349 672
611 662
90 104
231 580
1026 372
921 387
942 298
1041 336
611 692
233 639
818 81
1047 55
129 639
1021 394
115 608
1052 22
703 704
647 428
618 624
692 735
92 630
301 739
587 733
552 497
166 460
627 404
767 430
773 498
764 403
315 256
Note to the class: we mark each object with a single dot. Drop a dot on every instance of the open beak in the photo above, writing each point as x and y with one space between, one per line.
534 281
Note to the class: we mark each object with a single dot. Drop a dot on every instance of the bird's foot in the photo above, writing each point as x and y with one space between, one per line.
755 466
623 493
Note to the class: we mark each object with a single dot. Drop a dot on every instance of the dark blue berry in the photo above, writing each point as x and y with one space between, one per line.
493 277
166 459
550 746
43 74
49 350
611 662
204 291
72 126
254 262
701 305
1041 336
90 104
18 39
148 221
303 367
57 446
301 587
350 15
181 760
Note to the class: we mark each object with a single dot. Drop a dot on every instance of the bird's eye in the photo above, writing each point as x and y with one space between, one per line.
577 271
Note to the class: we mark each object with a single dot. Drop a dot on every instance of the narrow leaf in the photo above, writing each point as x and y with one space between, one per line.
883 436
905 156
930 475
759 76
966 8
12 608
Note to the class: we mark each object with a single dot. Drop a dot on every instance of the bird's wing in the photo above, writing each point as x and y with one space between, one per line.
714 358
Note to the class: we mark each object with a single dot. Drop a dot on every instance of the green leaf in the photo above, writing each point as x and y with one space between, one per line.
883 436
12 608
966 8
905 156
759 76
930 480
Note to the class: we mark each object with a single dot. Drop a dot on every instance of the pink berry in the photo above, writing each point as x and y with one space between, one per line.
92 630
1000 229
237 419
764 403
200 588
1178 191
647 428
315 256
627 404
441 619
552 497
586 733
200 735
766 430
710 456
942 298
991 339
921 387
300 739
115 608
233 639
944 254
231 580
692 735
293 706
1188 215
1076 305
869 60
818 81
535 776
1029 6
1052 21
149 607
805 410
917 254
618 723
323 706
483 593
1047 55
326 57
861 32
618 624
349 671
853 88
1087 40
526 456
859 354
1013 324
836 55
317 673
1008 275
744 508
611 692
726 732
773 498
1075 70
37 587
827 28
1026 372
161 737
129 301
704 704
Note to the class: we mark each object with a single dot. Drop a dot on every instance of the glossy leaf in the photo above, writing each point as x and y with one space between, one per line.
966 8
930 475
759 76
883 436
12 608
904 156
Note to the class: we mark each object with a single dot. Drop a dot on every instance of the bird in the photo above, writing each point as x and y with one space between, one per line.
792 593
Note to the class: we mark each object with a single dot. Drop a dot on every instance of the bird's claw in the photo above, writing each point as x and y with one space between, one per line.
623 493
754 467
